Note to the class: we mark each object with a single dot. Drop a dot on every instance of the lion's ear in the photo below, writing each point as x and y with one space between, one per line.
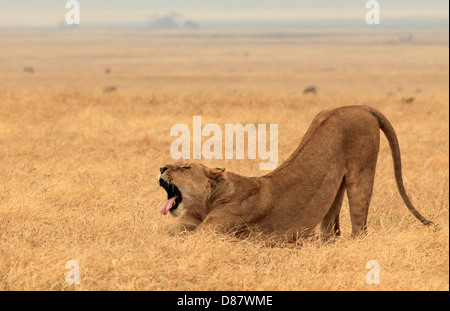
215 175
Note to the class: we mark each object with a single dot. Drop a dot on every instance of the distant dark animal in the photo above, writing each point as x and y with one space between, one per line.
28 69
109 89
408 100
310 90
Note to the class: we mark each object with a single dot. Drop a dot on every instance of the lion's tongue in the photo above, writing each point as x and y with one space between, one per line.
168 205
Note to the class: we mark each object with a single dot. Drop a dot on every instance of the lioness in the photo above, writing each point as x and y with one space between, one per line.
338 152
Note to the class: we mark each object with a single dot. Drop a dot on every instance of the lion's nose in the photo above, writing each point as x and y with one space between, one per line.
163 169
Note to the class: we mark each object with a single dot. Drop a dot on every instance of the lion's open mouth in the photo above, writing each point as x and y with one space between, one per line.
173 196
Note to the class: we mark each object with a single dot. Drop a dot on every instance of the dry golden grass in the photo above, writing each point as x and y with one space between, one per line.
78 166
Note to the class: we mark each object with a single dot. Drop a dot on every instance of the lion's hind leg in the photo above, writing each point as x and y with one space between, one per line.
359 192
330 223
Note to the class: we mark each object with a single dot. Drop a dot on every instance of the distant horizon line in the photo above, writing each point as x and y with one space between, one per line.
400 23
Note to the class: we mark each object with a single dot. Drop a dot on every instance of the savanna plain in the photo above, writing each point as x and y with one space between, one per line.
85 119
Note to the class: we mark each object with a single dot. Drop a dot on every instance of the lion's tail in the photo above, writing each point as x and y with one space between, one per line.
389 132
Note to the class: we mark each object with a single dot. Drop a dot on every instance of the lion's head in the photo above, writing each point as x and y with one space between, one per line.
188 187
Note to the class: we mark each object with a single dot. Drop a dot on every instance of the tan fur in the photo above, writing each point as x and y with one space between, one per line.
338 153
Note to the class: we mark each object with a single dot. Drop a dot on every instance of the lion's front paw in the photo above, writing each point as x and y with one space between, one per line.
180 228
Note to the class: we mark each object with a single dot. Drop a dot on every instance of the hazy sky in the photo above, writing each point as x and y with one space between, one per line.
51 12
